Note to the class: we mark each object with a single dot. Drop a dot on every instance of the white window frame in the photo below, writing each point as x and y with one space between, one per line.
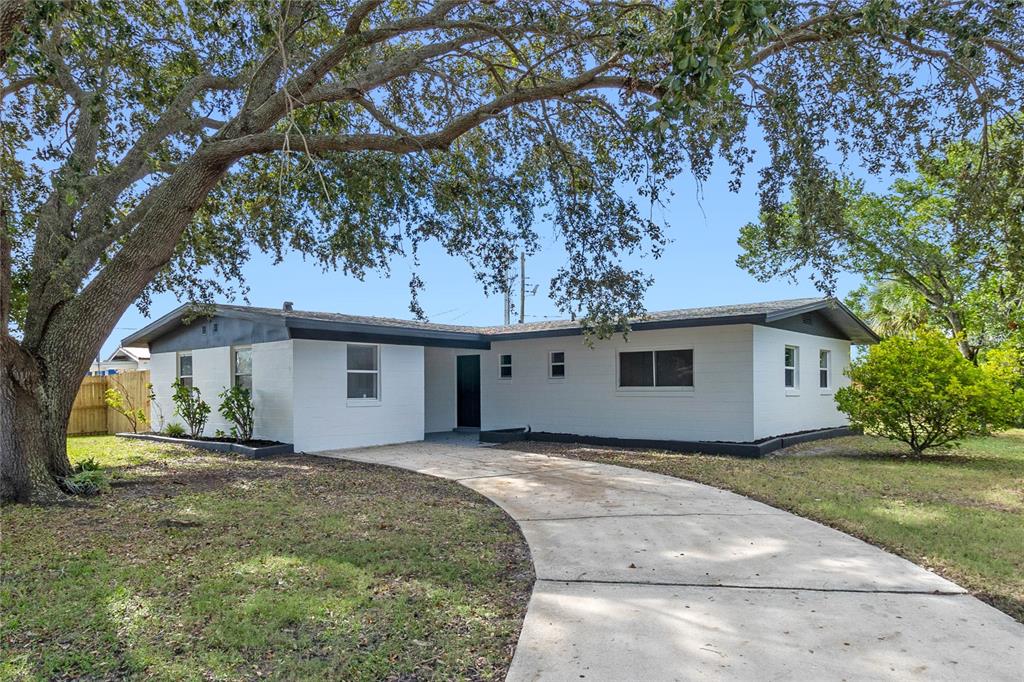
653 390
348 370
502 364
177 368
795 388
234 366
551 365
827 369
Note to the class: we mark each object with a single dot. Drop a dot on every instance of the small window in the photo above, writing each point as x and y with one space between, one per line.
556 364
363 372
185 369
825 369
656 369
505 367
792 373
242 362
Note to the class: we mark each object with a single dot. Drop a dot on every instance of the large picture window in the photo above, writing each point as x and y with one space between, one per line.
656 369
363 371
241 361
185 369
792 370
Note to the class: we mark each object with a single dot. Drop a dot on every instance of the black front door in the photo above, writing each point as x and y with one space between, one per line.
467 390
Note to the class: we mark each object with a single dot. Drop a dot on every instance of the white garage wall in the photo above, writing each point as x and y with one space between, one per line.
439 389
586 402
778 410
325 419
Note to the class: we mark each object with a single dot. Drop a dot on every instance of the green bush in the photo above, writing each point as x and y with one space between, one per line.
236 406
87 464
175 430
1005 363
190 406
86 482
923 392
119 401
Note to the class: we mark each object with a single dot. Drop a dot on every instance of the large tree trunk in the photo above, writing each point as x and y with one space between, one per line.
40 376
33 431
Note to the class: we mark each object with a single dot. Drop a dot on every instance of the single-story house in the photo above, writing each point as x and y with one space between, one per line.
736 374
124 359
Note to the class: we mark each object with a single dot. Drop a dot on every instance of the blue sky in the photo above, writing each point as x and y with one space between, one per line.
697 268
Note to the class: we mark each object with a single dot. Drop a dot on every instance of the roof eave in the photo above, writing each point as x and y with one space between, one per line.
860 333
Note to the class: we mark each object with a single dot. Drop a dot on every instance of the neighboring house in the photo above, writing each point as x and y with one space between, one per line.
738 373
124 359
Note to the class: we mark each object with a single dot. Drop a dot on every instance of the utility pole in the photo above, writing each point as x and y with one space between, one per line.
522 287
508 299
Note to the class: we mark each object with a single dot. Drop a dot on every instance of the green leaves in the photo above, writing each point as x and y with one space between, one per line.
236 406
920 390
190 406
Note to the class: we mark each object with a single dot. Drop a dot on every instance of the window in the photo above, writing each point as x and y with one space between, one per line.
241 361
185 369
556 364
792 367
825 369
363 372
656 369
505 367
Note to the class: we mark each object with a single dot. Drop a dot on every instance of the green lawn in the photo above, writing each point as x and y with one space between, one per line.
203 566
960 514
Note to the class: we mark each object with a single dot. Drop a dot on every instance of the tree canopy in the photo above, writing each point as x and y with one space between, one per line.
934 250
152 146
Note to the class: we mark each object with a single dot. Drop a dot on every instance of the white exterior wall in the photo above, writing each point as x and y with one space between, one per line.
211 374
586 402
162 375
439 376
778 410
272 390
325 419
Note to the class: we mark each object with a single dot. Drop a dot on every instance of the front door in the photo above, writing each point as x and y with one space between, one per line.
467 391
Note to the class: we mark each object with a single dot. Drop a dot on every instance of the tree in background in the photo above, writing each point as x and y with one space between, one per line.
932 250
149 147
920 390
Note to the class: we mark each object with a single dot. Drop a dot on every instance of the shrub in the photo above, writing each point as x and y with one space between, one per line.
190 406
86 482
87 464
119 401
236 406
922 391
175 430
1005 363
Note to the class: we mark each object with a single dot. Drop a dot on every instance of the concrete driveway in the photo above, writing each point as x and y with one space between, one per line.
647 577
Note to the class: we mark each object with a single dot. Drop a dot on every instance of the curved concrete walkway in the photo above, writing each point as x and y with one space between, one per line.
647 577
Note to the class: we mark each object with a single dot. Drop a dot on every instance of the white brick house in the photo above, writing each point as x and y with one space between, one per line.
699 378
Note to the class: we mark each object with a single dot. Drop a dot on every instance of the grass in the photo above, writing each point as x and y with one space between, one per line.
203 566
959 513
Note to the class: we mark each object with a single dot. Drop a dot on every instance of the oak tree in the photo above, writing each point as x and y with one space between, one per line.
151 146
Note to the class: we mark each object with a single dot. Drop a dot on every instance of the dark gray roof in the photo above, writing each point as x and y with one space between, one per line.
749 313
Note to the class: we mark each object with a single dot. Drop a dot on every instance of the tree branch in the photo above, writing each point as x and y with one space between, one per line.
273 141
359 13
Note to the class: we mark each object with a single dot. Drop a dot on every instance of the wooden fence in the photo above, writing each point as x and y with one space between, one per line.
90 413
